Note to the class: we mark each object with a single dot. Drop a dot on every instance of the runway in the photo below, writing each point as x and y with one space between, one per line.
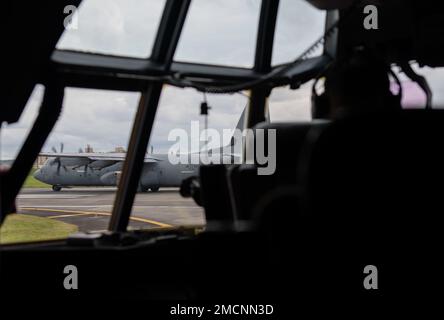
90 208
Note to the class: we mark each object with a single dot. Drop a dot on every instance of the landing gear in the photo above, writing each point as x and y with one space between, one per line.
154 189
56 188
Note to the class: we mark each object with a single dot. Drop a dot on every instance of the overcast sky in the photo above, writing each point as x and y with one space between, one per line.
215 32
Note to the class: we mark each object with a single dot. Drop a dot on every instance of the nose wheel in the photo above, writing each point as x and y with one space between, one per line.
56 188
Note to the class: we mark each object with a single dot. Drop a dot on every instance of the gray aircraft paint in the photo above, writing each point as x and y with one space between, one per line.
154 174
81 170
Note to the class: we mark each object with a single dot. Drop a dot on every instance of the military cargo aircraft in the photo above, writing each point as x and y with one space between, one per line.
104 169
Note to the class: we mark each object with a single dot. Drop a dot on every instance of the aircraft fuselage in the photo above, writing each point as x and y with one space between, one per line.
72 172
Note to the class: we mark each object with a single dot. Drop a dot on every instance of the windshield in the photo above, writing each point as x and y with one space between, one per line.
113 27
72 186
292 35
413 96
64 192
209 38
73 183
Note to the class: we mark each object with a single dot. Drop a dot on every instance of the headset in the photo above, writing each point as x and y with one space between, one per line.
320 103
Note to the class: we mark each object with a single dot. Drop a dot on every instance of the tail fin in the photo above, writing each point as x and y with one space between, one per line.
240 126
227 148
241 123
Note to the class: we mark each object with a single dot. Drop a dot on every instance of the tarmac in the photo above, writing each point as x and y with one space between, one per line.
90 208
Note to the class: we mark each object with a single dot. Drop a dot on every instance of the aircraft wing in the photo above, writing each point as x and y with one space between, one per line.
95 156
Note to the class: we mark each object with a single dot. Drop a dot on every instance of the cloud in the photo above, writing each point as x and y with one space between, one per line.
117 27
220 32
287 105
103 119
298 26
178 107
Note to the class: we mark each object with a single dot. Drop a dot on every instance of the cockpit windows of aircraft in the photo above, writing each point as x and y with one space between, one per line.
182 139
208 38
71 186
113 27
298 26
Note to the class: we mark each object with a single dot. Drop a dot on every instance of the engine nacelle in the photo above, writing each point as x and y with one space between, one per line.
111 178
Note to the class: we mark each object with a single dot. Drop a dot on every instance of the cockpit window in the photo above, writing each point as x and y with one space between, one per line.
286 105
220 32
179 144
128 28
113 27
72 184
12 136
298 26
414 96
434 77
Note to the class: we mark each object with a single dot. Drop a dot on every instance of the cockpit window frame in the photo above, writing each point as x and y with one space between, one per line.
99 71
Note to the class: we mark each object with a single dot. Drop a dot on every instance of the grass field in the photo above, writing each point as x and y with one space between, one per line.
31 182
26 228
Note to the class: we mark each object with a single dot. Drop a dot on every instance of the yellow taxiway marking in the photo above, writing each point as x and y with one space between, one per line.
86 213
70 215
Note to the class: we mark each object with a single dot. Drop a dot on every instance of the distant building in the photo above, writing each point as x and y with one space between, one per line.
40 161
119 150
89 149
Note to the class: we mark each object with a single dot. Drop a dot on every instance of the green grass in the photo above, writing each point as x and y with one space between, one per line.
26 228
32 182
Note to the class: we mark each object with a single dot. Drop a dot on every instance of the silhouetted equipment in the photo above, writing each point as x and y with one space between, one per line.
204 108
191 188
345 84
247 186
215 193
369 189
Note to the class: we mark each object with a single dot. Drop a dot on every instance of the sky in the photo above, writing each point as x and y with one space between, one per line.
215 32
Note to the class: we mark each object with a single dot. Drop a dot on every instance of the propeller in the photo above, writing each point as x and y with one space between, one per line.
57 159
59 164
86 166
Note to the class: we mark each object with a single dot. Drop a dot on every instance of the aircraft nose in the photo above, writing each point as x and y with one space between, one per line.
38 174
